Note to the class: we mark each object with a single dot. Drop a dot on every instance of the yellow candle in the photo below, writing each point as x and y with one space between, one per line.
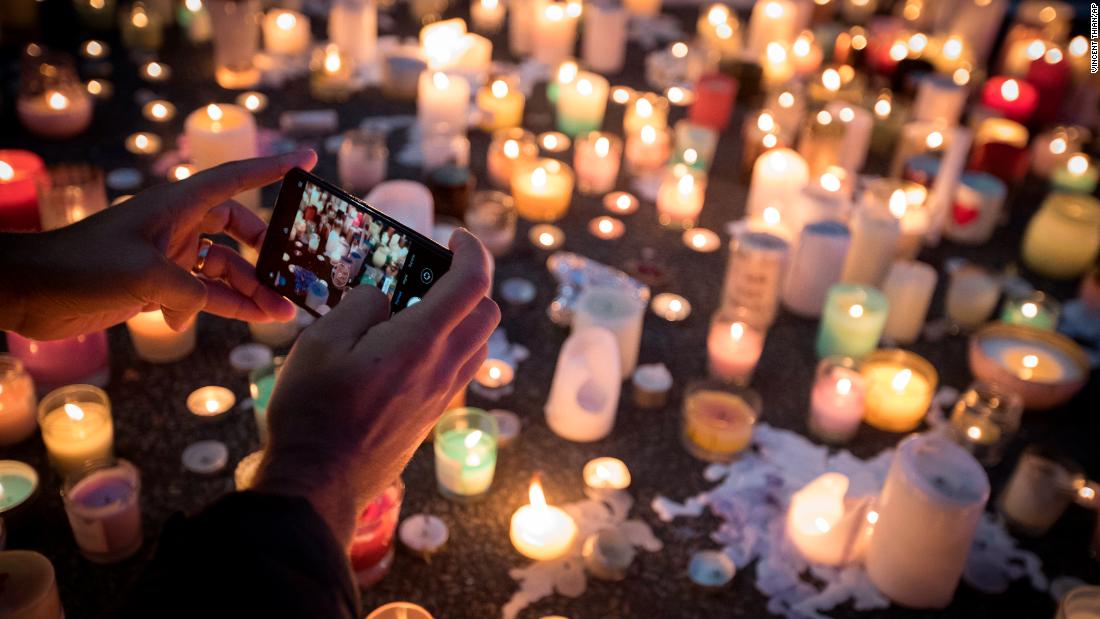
542 189
156 342
717 424
286 32
501 106
900 386
76 426
646 109
540 531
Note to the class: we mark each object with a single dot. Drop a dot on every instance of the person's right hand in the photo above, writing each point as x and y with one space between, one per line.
359 393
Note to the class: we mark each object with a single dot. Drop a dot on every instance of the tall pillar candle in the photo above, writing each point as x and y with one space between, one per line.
442 99
236 26
554 32
1014 99
584 394
928 511
521 24
353 27
487 16
856 143
582 103
19 173
908 288
501 105
221 132
603 44
817 264
1000 148
852 321
156 342
777 175
754 277
618 309
875 235
76 427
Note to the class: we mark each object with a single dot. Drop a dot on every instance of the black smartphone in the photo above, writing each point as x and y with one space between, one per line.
322 241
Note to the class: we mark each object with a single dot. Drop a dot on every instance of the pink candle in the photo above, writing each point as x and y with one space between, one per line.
18 190
372 544
836 401
105 512
1051 77
733 348
82 359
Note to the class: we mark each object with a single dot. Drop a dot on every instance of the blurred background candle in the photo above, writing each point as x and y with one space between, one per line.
680 196
465 453
596 158
620 310
487 16
670 306
509 147
584 394
236 25
52 101
817 264
546 236
156 342
142 30
836 400
646 109
442 99
582 103
566 73
554 32
372 543
852 321
252 101
554 142
603 45
776 176
103 503
900 385
824 527
875 233
695 145
210 401
606 473
976 211
159 110
143 143
1032 309
219 133
701 240
1076 175
76 427
18 411
1063 237
1040 490
261 386
733 346
541 531
754 275
18 486
606 228
972 295
1014 99
19 171
362 160
647 151
620 203
718 420
542 189
286 32
1050 149
399 610
492 219
353 27
501 105
715 94
331 75
83 358
908 288
985 420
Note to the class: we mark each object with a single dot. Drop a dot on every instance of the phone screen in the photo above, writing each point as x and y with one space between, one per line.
322 242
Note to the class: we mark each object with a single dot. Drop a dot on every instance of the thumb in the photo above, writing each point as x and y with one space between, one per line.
179 294
357 312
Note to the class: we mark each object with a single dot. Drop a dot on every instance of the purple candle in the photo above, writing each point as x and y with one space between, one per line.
836 402
82 359
104 511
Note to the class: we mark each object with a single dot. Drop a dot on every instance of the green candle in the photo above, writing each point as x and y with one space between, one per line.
852 321
1034 310
465 453
18 482
262 385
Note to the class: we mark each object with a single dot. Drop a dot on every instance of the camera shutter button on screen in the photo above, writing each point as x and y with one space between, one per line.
426 275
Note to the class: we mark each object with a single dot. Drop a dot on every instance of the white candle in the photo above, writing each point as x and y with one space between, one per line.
210 401
875 235
908 287
540 531
487 15
442 99
286 32
554 32
680 196
928 511
776 176
939 99
606 474
156 342
620 310
822 527
56 114
817 264
584 394
647 151
353 27
76 427
771 21
857 123
219 133
603 46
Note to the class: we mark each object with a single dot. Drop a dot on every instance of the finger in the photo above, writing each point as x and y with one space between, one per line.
237 220
220 183
179 294
469 369
473 332
222 263
458 291
357 312
222 300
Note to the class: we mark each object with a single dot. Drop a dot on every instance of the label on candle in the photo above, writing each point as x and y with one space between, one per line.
90 534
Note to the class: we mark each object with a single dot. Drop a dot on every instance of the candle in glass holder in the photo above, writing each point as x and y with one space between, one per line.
372 545
142 29
825 527
362 160
754 276
1033 309
103 503
156 342
852 321
985 419
495 374
618 309
1040 490
68 193
976 211
332 76
606 474
553 32
501 105
972 295
541 531
286 32
777 175
58 112
680 196
1063 238
1076 175
542 189
836 400
900 386
487 16
733 346
908 288
647 151
19 173
491 217
442 99
236 26
155 72
1050 149
159 110
606 228
645 109
210 401
718 420
817 264
508 148
465 453
76 426
18 418
582 103
596 158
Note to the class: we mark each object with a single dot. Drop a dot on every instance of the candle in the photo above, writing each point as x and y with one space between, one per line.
156 342
19 171
755 273
1014 99
774 20
19 483
30 591
286 32
778 69
836 400
159 110
582 103
424 534
142 29
607 554
603 45
680 196
718 420
553 32
695 144
651 383
261 386
487 15
252 101
76 426
1051 77
900 385
540 531
817 264
372 545
647 151
82 358
491 217
584 394
509 147
620 202
976 211
100 89
858 125
566 73
1040 489
143 143
701 240
93 49
645 109
495 374
733 347
219 133
546 236
776 176
852 321
1076 175
928 511
985 419
195 19
362 160
908 289
332 75
210 401
1033 309
908 203
542 189
715 94
606 228
155 72
1000 148
104 510
465 453
442 99
875 233
824 527
554 142
711 569
57 113
17 402
670 306
236 27
1044 367
353 27
643 8
1063 238
400 610
972 294
620 310
939 99
501 106
606 474
596 158
719 29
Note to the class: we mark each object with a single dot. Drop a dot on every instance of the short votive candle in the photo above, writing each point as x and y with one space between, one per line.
734 345
465 453
836 399
900 386
718 420
596 158
76 426
103 503
852 321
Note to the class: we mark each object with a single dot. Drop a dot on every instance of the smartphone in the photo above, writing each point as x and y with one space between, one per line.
322 242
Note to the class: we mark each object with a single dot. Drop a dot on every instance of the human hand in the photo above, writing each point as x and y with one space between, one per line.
359 393
138 256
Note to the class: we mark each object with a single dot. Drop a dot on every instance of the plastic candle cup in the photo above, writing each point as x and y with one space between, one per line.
900 386
465 453
501 105
210 401
1076 175
985 419
836 401
1062 239
372 543
542 189
1034 309
76 426
680 196
852 321
733 346
582 103
495 374
18 417
541 531
509 148
718 420
52 101
261 385
156 342
102 501
18 484
821 525
19 172
606 473
606 228
142 30
596 158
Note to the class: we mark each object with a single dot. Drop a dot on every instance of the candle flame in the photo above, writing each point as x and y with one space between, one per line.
1030 361
830 181
57 101
822 525
771 216
898 204
490 4
830 78
500 89
691 156
154 69
193 5
1078 46
855 311
286 20
918 42
1086 493
211 405
802 46
550 141
141 141
773 10
1029 310
737 331
441 81
675 306
567 72
574 9
901 380
824 118
1053 56
785 99
698 239
93 49
494 372
961 76
1077 164
181 172
620 95
953 48
648 134
718 14
1058 146
846 114
974 432
679 49
1036 49
554 12
872 516
686 184
898 51
539 178
769 140
605 226
623 202
536 495
883 106
511 149
643 108
1010 90
602 147
333 63
252 102
765 122
474 437
6 171
546 239
775 52
584 87
602 473
73 411
97 4
214 112
844 386
138 18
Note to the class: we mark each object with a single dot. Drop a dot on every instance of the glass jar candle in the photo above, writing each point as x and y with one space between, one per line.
985 419
734 345
899 389
645 109
70 192
372 543
509 148
465 441
76 426
53 363
17 402
491 217
52 102
142 28
156 342
362 159
596 158
718 420
1063 238
1033 309
852 320
836 400
1042 486
972 295
542 189
236 25
102 501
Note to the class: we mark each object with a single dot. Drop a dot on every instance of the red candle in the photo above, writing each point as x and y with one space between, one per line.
1014 99
18 194
372 545
1007 162
1050 75
714 97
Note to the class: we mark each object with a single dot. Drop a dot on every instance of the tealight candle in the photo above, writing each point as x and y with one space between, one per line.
718 420
143 143
554 142
54 363
156 342
680 196
181 172
566 73
332 78
701 240
56 113
647 151
606 474
777 175
19 483
1034 309
547 236
94 49
1063 238
1076 175
509 147
103 504
465 442
252 101
400 610
286 32
620 202
646 109
542 189
900 385
670 306
423 534
603 45
1045 367
836 401
541 531
596 158
501 105
733 346
210 401
852 321
19 173
76 426
155 71
606 228
651 383
159 110
17 402
607 554
99 89
141 28
582 103
495 374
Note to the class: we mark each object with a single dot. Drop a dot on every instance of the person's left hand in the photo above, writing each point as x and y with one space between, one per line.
139 256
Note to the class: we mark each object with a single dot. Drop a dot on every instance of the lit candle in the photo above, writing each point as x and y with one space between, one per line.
501 106
465 453
1044 367
491 217
620 202
733 347
159 110
852 321
18 485
819 524
219 133
582 103
900 385
181 171
985 419
836 401
210 401
1063 238
670 306
715 95
1040 490
372 544
547 236
509 147
772 21
19 173
252 101
235 25
100 89
718 421
57 113
195 19
94 50
155 72
646 109
142 29
776 176
542 189
806 55
647 151
606 228
596 159
53 363
979 201
622 94
353 27
423 534
76 427
1013 98
719 29
487 15
1034 309
104 509
754 275
621 310
540 531
332 76
17 402
908 203
701 240
495 374
606 474
143 143
286 32
156 342
777 65
442 99
400 610
553 32
695 144
643 8
554 142
1076 175
584 394
858 126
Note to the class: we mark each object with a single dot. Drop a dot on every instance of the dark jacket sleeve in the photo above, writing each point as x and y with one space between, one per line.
246 555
